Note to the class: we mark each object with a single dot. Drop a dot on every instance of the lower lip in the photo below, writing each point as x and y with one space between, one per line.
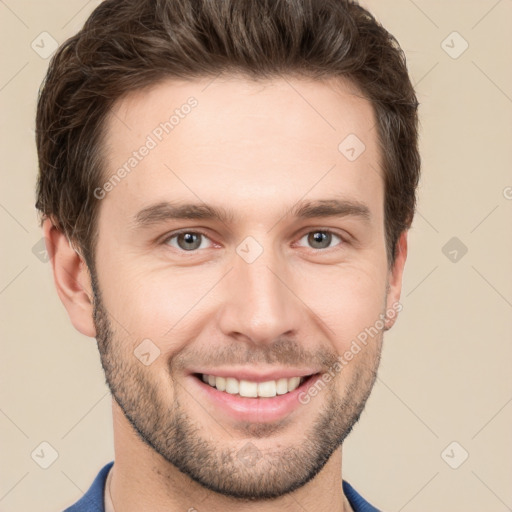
255 410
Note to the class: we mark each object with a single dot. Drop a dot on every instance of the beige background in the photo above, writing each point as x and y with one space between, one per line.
445 373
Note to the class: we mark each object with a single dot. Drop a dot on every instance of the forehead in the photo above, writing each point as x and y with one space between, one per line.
254 141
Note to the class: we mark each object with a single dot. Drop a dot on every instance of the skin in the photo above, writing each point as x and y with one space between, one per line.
257 148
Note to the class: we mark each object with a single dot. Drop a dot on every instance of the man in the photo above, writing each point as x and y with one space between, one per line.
226 189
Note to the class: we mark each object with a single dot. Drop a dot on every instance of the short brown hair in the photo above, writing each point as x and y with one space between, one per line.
126 45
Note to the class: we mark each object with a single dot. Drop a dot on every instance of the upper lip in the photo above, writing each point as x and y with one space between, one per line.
257 376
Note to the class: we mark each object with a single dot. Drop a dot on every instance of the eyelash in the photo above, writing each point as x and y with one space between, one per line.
199 232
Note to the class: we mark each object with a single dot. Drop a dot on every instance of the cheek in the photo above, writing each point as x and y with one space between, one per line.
156 303
347 300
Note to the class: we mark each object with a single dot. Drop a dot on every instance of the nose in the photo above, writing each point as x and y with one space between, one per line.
259 301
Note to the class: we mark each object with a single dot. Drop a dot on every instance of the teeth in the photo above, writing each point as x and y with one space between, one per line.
293 383
282 386
267 389
232 386
248 389
220 383
251 389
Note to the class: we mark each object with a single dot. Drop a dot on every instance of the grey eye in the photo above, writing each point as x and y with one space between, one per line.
187 241
320 239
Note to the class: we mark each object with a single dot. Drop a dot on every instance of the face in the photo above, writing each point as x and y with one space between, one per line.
272 271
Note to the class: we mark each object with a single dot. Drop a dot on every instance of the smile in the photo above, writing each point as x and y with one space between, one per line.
250 389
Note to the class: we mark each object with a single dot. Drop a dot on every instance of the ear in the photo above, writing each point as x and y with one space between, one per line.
72 279
393 306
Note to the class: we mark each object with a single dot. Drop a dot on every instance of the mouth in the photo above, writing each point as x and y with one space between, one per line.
251 389
227 397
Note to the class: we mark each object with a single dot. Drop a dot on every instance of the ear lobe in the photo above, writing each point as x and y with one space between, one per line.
395 275
72 279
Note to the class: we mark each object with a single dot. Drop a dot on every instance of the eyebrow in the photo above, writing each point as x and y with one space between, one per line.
164 211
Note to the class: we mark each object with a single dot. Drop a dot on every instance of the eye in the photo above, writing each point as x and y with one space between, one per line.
190 241
187 240
320 239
